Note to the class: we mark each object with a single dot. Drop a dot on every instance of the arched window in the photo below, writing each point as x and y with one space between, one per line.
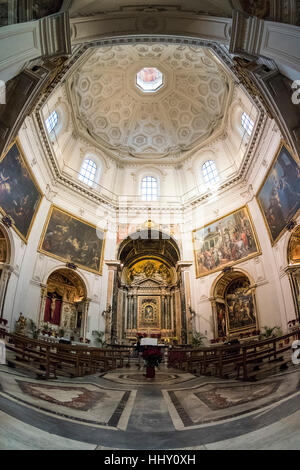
88 172
247 123
210 172
149 188
51 121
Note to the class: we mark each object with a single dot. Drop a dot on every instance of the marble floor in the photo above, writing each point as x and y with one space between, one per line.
122 409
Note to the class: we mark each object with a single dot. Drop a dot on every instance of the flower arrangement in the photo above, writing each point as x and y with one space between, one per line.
152 356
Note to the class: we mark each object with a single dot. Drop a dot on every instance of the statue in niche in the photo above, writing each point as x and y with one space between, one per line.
73 319
52 308
66 320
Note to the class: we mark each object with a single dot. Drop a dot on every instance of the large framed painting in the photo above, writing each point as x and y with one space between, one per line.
225 242
20 195
240 306
279 194
68 238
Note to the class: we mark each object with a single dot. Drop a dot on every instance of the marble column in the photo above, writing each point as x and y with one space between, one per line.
130 312
183 274
169 300
163 313
135 310
112 296
214 316
294 278
42 305
85 317
5 276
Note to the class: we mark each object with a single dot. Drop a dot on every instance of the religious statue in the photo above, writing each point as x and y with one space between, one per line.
107 314
21 324
53 304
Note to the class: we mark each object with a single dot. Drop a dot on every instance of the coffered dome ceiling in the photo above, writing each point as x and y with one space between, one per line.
112 105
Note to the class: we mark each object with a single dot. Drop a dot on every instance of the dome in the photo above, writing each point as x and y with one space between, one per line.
149 100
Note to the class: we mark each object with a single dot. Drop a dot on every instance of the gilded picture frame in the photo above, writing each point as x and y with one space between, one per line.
20 194
151 303
59 224
293 252
234 244
283 200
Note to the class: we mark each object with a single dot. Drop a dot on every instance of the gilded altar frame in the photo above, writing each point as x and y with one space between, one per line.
145 301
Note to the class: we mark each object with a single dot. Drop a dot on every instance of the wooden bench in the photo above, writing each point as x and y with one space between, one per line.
30 355
242 361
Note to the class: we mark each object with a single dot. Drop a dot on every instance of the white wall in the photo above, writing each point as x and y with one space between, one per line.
30 268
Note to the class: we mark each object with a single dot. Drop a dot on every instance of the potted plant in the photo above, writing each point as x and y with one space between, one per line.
153 358
99 338
32 329
61 333
271 332
197 340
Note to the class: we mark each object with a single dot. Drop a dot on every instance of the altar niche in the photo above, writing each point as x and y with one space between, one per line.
149 290
234 305
64 304
293 268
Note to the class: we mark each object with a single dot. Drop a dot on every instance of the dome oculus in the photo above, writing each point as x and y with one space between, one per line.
149 79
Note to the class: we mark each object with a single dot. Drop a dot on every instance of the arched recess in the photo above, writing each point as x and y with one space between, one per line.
234 305
6 255
149 296
64 303
293 268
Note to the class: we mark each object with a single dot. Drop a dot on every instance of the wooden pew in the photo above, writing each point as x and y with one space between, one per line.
242 361
31 355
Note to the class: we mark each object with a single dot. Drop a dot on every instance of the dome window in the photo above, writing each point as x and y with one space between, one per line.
210 172
51 121
247 123
149 188
88 172
149 79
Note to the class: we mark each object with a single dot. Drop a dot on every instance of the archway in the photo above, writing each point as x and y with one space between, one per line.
64 305
293 268
149 295
234 305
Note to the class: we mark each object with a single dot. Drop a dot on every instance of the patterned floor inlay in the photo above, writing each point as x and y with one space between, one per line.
219 398
78 398
87 403
209 402
139 378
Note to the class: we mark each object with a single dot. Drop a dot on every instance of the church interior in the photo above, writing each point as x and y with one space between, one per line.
149 225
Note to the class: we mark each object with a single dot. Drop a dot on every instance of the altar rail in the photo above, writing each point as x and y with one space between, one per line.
242 361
